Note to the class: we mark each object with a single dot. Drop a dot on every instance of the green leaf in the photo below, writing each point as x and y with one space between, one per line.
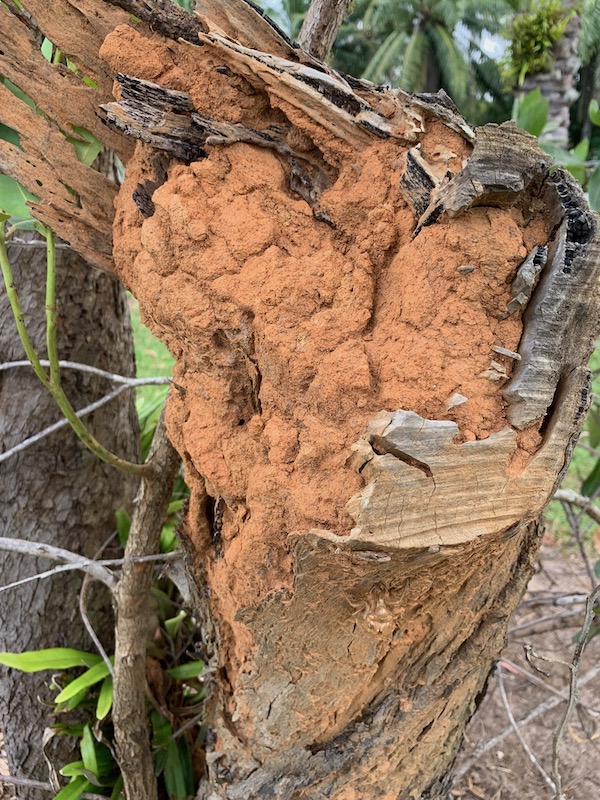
117 789
187 769
168 538
593 188
597 569
86 147
72 769
87 745
91 676
14 198
592 482
594 112
123 526
10 135
74 789
592 423
582 149
173 625
64 729
75 701
160 761
105 698
76 768
47 50
53 658
174 778
17 92
185 671
533 112
161 729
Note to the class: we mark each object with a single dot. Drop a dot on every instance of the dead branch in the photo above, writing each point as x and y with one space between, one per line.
321 25
41 550
549 622
164 16
131 595
592 602
576 499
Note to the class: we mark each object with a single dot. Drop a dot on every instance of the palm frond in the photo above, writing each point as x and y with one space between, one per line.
589 34
385 57
413 68
454 69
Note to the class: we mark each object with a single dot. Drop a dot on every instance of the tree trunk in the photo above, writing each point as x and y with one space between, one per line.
381 321
558 85
56 491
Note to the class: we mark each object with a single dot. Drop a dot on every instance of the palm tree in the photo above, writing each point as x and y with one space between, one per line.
550 41
425 45
420 46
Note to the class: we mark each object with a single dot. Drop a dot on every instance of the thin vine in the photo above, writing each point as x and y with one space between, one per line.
52 380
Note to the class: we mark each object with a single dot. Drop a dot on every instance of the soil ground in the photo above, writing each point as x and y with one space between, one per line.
547 619
493 764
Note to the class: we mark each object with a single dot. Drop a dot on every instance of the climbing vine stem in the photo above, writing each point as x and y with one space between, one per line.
52 380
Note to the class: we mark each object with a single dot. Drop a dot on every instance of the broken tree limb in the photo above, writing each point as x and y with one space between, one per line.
321 25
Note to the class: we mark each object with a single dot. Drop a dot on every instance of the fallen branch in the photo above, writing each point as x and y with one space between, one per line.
510 666
548 623
588 507
131 599
544 707
519 735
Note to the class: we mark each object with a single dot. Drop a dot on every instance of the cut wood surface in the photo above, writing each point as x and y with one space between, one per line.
381 321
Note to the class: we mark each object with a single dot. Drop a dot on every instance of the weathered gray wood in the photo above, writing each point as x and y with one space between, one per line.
505 161
165 17
567 293
167 120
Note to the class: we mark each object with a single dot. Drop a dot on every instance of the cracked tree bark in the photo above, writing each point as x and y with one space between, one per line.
381 320
57 491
